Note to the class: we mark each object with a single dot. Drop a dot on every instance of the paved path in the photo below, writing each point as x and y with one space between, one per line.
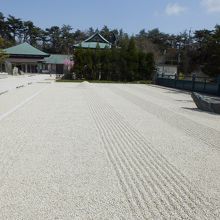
99 151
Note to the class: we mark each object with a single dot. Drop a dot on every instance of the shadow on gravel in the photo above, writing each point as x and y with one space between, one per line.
198 110
183 100
171 90
178 91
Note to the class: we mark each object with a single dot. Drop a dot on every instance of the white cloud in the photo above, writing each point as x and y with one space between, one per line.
211 5
174 9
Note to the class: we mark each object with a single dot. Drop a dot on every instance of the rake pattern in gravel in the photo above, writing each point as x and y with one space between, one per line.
154 188
193 129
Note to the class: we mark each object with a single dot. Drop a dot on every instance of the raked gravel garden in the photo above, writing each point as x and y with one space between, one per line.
106 151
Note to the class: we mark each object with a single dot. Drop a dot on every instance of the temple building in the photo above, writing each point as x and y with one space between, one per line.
29 59
57 63
26 58
93 42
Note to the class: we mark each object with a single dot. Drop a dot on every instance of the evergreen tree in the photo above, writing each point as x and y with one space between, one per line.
78 66
132 61
15 26
54 35
211 65
3 56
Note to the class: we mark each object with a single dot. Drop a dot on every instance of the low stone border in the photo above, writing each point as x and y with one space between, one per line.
18 87
3 77
1 93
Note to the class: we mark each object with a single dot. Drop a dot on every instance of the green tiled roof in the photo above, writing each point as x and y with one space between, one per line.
96 40
57 58
25 49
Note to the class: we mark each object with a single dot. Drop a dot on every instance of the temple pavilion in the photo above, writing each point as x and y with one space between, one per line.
96 40
25 57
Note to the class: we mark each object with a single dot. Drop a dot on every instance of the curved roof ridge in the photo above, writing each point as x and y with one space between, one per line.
97 33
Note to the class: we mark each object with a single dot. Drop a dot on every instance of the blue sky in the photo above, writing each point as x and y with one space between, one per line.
131 15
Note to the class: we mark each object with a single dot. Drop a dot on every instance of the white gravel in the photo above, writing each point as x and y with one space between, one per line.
15 82
107 151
